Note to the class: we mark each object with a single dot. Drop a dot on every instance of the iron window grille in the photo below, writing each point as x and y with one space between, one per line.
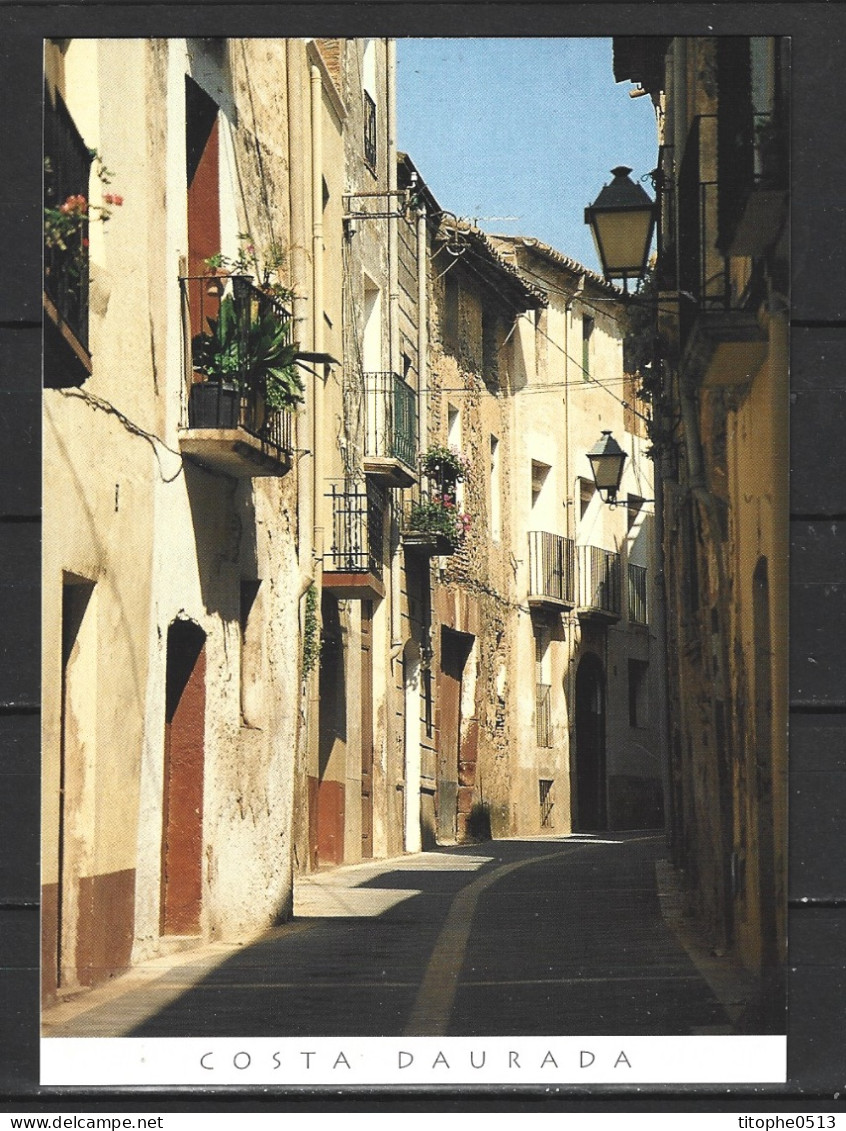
370 152
637 592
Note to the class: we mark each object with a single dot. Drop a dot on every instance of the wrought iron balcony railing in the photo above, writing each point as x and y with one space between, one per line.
67 167
391 415
551 569
357 530
708 283
599 581
637 604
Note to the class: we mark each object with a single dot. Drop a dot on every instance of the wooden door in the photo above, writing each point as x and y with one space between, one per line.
182 836
366 730
590 745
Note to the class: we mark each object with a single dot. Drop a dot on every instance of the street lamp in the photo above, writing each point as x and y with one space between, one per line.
621 220
606 462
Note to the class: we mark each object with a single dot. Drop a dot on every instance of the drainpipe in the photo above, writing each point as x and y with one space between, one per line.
422 331
297 243
393 299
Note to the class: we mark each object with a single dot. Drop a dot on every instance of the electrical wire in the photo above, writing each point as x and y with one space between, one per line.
154 441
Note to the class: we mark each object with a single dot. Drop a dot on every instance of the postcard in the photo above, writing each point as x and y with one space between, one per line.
415 462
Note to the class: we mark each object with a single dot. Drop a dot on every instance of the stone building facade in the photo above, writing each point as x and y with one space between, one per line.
221 608
171 573
720 398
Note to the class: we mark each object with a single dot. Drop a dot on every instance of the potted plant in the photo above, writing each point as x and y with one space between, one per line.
245 352
438 521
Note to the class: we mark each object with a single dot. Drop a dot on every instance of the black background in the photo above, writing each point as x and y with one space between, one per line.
817 886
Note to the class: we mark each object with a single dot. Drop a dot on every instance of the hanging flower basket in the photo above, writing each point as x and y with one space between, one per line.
444 465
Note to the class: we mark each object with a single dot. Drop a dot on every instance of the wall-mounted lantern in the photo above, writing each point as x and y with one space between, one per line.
621 221
606 462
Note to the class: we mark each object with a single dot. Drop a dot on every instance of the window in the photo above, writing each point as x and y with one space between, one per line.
454 442
490 357
547 804
587 334
540 473
451 313
638 693
495 487
543 689
369 98
586 492
633 509
252 691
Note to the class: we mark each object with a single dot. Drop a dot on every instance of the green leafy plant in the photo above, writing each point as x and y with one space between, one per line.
311 634
439 515
263 268
251 348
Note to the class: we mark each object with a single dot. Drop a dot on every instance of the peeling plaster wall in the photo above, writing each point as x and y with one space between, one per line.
160 538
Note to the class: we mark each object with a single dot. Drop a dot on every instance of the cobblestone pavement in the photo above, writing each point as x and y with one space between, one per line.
516 937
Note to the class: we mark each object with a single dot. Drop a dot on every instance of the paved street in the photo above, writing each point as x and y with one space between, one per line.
578 935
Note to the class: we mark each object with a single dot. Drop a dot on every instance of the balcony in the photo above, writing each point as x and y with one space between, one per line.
432 525
390 453
599 597
352 567
637 596
236 344
753 139
67 168
551 571
722 336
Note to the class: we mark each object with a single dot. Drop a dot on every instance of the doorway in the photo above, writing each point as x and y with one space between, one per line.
76 779
184 752
455 650
366 730
591 812
413 758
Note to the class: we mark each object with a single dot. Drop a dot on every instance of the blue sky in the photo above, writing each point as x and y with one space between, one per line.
528 128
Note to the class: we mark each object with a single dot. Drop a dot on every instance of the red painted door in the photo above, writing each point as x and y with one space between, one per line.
182 839
366 729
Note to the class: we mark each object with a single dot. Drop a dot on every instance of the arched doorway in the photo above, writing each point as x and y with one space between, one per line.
590 745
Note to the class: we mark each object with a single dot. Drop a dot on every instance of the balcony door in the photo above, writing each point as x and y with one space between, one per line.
202 153
590 745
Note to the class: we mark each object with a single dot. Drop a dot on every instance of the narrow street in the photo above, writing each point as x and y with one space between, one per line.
565 936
